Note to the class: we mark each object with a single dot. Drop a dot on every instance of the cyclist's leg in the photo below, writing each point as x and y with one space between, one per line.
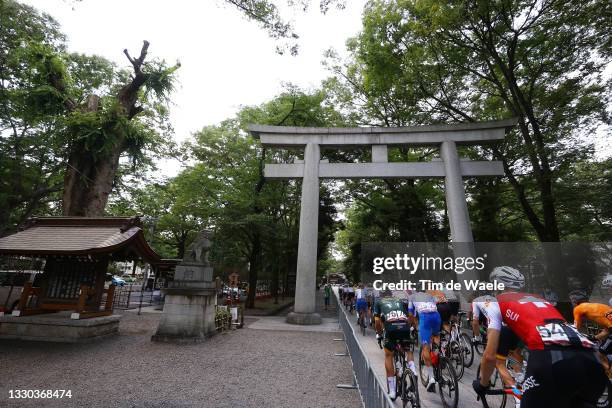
444 311
508 341
389 345
562 379
425 337
538 386
436 325
579 378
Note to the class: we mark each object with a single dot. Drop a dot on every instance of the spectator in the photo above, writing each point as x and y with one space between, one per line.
327 290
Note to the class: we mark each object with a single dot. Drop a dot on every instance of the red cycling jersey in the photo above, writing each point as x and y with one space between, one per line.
535 321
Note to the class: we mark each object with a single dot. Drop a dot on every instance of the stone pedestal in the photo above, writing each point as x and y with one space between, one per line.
58 327
303 318
189 306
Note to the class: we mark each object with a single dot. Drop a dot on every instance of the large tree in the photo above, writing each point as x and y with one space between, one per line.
71 117
103 128
542 62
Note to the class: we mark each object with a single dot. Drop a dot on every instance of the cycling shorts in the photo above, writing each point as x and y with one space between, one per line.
396 333
429 325
361 305
508 341
446 310
563 378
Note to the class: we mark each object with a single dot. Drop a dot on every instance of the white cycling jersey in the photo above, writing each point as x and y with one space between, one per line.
360 293
421 302
488 306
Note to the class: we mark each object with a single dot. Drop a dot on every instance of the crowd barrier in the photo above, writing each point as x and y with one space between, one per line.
373 391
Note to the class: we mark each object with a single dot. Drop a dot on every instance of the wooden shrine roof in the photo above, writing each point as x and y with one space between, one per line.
80 236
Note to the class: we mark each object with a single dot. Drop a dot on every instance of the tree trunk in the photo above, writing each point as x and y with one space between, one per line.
89 182
254 263
90 177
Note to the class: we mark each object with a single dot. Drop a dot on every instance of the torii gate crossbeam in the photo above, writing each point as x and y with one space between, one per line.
312 168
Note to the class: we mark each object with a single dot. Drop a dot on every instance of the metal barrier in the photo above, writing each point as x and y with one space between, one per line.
373 392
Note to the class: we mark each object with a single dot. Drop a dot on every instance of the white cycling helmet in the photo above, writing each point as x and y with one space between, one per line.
510 277
578 296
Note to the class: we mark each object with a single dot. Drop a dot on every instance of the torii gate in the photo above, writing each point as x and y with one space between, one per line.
312 168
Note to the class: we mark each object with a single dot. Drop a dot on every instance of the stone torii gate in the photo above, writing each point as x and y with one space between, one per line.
312 168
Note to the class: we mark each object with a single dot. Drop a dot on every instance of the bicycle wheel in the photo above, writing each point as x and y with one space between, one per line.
456 358
363 325
448 384
410 389
468 349
494 401
422 368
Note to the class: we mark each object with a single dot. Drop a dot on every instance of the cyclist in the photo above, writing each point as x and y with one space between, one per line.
349 295
371 296
423 305
391 314
361 304
597 313
454 302
509 343
447 304
562 370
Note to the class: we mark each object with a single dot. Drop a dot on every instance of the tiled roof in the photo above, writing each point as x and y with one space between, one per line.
79 236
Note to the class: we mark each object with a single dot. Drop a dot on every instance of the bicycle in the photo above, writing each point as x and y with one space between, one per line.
497 389
361 321
503 392
464 340
454 353
444 374
406 383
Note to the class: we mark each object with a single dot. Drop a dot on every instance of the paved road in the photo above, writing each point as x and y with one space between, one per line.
467 396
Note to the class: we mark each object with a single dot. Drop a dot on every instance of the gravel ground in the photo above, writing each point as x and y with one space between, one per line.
244 368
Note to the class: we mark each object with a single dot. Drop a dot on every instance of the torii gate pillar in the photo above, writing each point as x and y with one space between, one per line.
456 206
305 285
451 168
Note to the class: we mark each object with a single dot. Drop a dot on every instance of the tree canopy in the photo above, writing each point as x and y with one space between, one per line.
79 134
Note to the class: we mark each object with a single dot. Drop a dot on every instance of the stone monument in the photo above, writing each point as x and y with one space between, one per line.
189 307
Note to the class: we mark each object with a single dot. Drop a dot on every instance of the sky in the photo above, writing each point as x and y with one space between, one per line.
226 60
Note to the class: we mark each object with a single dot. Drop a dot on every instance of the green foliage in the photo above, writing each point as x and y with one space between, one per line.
267 14
55 105
422 62
30 174
222 190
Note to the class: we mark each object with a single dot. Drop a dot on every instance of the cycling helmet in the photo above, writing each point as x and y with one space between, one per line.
578 296
386 293
510 277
